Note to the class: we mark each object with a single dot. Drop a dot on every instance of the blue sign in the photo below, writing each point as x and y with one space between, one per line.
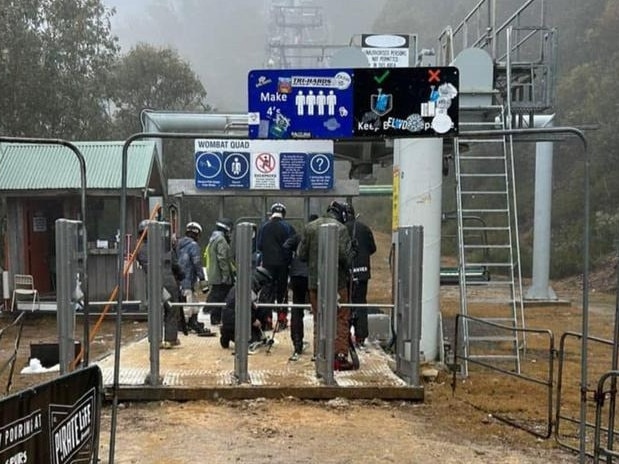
300 103
353 103
209 170
236 170
320 172
263 164
292 169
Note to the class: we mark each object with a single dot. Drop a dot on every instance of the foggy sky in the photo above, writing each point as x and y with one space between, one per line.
223 40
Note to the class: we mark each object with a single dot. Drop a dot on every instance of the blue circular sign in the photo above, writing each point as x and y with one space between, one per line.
236 165
208 164
320 164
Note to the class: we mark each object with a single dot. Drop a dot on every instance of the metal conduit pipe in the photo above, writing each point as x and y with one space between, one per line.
375 190
171 121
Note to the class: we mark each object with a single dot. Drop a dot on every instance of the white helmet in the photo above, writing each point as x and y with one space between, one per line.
278 208
193 227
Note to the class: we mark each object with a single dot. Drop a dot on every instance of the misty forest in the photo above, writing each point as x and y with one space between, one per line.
85 69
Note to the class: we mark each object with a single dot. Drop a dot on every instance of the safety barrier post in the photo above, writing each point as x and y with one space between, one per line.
327 301
242 320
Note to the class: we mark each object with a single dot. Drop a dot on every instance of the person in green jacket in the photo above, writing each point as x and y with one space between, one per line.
308 252
220 268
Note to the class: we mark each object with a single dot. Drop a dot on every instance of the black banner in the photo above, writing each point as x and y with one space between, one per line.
405 102
56 422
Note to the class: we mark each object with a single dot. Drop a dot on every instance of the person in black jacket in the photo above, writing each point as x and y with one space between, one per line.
260 280
275 257
300 294
363 241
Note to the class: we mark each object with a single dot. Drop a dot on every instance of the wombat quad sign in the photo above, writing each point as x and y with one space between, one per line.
353 103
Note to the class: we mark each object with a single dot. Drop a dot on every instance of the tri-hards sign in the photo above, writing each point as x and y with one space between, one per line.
392 102
264 164
56 422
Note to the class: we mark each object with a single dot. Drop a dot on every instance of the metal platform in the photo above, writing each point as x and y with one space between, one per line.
201 369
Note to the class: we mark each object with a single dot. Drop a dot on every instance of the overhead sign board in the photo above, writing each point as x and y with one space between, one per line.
263 164
314 103
405 102
386 50
350 103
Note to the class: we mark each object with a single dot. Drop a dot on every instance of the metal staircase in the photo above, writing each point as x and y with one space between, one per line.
522 47
488 240
522 50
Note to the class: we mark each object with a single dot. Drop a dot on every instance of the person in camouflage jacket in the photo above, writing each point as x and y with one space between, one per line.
308 252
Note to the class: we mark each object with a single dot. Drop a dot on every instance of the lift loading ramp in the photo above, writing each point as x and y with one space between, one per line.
201 369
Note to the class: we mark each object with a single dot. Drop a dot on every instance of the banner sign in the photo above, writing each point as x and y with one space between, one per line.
386 50
56 422
353 103
264 164
308 103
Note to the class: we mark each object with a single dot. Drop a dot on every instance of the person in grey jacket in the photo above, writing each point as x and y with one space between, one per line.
190 262
171 277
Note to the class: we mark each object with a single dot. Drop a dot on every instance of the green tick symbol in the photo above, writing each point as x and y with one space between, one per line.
379 80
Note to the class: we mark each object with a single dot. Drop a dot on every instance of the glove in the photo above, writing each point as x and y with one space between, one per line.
204 286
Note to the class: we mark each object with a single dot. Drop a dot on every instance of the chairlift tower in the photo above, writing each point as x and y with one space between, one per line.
297 35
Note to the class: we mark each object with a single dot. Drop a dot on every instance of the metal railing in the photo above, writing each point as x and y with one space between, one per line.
546 383
10 362
582 394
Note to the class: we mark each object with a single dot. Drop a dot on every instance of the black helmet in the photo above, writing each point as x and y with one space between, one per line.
143 225
278 208
337 210
224 224
260 278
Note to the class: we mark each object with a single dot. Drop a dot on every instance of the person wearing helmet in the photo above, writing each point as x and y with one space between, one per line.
308 252
275 257
190 262
219 265
261 278
300 295
365 246
171 277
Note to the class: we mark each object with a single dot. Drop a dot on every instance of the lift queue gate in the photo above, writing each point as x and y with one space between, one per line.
408 299
69 264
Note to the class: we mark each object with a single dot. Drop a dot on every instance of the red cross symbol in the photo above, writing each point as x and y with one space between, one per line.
434 75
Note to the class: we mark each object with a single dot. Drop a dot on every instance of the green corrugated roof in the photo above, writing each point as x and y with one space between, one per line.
48 167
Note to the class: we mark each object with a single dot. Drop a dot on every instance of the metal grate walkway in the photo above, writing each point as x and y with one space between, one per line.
201 369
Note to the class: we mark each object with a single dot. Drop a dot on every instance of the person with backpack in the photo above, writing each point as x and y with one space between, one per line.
308 252
190 262
363 241
275 257
220 267
172 276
